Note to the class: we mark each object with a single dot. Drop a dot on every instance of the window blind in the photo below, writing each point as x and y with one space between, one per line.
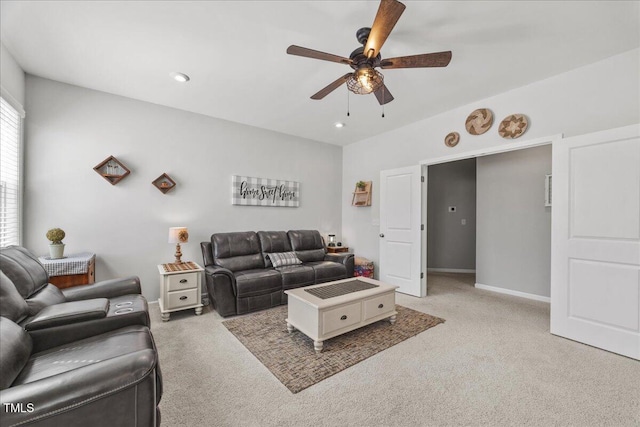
10 137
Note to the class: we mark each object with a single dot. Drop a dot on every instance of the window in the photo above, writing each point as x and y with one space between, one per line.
10 147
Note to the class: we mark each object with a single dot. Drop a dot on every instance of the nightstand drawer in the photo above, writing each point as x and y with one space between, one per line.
380 305
183 281
341 317
184 298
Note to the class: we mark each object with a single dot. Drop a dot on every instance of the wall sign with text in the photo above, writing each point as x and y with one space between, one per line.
250 191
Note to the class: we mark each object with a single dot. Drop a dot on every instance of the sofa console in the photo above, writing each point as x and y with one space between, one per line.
249 271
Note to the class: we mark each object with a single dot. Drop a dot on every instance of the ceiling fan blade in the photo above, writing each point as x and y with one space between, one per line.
331 87
383 95
315 54
388 14
438 59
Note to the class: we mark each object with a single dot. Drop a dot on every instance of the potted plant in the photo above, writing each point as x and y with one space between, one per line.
361 185
56 248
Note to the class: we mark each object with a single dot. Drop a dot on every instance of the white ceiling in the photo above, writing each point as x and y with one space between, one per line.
234 52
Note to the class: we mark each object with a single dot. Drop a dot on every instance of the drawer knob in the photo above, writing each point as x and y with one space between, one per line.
344 317
380 305
182 298
183 281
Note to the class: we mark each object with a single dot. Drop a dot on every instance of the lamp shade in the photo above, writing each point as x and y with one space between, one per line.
178 235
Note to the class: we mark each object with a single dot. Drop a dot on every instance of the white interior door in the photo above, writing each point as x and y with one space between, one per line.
400 230
595 257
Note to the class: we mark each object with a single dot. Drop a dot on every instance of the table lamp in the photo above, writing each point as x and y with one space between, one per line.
178 235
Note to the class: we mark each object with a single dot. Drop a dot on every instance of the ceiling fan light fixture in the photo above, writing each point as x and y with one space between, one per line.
365 80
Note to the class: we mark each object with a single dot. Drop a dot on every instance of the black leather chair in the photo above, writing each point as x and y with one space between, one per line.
111 379
54 317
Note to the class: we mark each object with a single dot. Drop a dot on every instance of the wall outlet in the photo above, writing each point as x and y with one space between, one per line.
463 221
452 208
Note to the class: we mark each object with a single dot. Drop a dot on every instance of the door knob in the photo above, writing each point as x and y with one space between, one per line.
381 234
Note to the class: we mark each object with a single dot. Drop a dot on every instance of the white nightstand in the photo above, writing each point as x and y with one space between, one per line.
180 288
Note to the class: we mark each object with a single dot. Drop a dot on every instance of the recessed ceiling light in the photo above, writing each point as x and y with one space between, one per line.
339 125
180 77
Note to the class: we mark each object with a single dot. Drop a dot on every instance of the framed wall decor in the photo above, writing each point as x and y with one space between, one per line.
112 169
250 191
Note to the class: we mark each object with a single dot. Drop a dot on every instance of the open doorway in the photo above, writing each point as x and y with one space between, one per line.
487 222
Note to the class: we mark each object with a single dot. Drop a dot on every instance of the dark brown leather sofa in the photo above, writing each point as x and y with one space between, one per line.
240 276
77 357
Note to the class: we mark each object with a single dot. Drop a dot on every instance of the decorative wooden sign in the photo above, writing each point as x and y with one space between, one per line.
452 139
513 126
479 121
248 191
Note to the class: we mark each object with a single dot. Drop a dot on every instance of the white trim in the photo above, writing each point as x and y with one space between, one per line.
450 270
12 101
152 302
512 292
513 146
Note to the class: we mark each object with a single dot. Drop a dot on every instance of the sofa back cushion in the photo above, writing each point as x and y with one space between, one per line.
24 270
307 244
237 251
273 242
14 352
12 305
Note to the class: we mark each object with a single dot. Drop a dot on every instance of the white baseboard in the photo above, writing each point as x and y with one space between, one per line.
449 270
152 302
512 292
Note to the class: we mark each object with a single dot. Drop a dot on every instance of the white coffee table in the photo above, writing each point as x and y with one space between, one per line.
326 316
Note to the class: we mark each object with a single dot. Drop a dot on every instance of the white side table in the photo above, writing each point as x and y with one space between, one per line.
180 288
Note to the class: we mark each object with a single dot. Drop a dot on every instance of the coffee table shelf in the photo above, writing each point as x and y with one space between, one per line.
321 319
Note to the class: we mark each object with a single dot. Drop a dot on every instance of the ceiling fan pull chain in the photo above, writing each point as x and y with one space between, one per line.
348 103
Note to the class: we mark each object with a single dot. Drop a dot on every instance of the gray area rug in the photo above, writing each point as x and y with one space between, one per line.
291 357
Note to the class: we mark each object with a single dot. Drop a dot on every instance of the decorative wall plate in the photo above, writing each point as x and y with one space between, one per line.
452 139
479 121
513 126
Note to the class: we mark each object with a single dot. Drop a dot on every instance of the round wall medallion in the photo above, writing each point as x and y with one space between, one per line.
513 126
479 121
452 139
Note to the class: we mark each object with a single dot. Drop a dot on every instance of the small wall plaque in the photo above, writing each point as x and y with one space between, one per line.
164 183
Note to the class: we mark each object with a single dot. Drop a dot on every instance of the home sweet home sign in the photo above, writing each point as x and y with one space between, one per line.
250 191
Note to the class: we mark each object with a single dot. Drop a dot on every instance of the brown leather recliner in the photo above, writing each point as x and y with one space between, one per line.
55 317
241 278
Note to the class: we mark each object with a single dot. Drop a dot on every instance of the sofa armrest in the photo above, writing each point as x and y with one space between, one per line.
345 258
104 289
68 312
221 285
84 392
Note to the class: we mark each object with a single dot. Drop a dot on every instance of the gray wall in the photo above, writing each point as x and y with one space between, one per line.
70 129
450 244
11 75
513 225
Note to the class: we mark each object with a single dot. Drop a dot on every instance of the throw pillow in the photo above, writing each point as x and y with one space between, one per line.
281 259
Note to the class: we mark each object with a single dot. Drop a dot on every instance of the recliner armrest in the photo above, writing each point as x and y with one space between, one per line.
68 312
345 258
60 396
104 289
222 289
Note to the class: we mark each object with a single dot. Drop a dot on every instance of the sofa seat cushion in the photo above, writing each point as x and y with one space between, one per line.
295 276
85 352
326 271
257 282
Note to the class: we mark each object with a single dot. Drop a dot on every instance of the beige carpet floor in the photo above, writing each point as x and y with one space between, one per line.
493 363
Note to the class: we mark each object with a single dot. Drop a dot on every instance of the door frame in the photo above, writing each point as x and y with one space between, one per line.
512 146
